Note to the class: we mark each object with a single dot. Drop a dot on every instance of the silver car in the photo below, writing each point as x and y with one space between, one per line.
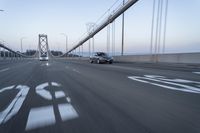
101 57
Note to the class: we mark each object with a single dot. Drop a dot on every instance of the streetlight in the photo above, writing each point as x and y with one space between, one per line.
21 40
122 52
66 40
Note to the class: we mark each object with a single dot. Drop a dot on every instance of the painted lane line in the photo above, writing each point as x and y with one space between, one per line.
176 84
7 88
40 117
59 94
171 80
184 88
3 70
76 71
196 72
15 105
67 112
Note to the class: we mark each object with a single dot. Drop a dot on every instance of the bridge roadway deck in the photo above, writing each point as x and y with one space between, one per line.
102 98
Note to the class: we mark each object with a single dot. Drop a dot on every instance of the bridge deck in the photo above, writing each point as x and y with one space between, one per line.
101 97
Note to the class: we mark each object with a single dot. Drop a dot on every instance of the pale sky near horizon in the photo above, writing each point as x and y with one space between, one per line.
28 18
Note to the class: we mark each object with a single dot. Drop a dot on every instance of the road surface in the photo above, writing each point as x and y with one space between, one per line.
66 96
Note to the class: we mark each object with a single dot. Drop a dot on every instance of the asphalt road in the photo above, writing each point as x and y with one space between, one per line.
65 96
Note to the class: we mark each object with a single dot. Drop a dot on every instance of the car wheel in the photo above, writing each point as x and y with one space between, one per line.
91 61
110 62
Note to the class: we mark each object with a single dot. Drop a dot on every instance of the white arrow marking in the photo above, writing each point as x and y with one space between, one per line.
15 105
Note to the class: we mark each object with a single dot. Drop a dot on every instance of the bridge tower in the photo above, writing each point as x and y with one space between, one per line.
43 46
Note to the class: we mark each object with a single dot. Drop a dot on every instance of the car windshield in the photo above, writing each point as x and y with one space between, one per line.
102 54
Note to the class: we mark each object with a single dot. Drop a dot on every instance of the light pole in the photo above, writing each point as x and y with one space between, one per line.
21 40
66 40
122 52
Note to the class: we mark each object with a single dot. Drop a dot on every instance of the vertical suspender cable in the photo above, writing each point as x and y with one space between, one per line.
108 39
160 25
113 38
152 27
157 26
165 26
93 45
89 47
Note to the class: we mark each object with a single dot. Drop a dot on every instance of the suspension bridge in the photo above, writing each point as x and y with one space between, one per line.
48 93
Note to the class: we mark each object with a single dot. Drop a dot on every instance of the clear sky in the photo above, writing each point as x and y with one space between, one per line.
28 18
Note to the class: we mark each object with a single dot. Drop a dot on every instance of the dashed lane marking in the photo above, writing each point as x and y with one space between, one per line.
196 73
76 71
3 70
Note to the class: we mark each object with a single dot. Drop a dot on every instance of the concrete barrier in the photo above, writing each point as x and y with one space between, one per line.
193 58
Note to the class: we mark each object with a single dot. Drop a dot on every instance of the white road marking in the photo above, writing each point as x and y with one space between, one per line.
45 94
59 94
55 84
171 80
67 112
42 92
40 117
7 88
3 70
76 71
68 99
42 86
161 79
15 105
44 116
196 72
